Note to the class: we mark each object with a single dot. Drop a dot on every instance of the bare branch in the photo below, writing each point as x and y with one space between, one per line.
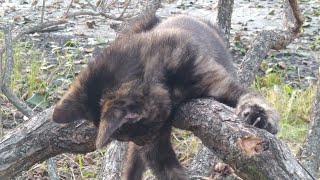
125 8
41 138
267 40
24 108
69 7
253 153
93 13
203 163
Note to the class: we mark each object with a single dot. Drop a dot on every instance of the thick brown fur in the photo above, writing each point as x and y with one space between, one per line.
131 90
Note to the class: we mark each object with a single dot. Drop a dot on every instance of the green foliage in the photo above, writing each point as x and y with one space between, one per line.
238 46
38 81
293 104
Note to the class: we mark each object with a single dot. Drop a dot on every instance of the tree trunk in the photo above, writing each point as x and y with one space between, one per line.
225 8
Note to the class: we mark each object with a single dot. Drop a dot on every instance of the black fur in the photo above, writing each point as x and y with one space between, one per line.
132 88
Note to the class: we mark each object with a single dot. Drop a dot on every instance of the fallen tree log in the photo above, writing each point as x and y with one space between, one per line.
39 139
253 153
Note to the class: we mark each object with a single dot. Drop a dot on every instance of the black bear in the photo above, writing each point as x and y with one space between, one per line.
131 90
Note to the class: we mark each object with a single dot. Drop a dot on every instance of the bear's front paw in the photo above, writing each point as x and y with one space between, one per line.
259 115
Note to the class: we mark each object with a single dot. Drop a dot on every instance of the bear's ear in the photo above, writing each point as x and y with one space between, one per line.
111 122
67 112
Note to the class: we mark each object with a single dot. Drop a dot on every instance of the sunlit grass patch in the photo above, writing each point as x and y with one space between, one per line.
293 104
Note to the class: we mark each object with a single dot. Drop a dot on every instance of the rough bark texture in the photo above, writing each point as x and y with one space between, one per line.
253 153
40 138
202 164
310 155
113 161
225 8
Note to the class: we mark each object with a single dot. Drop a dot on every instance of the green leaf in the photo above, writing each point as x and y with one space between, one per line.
271 12
71 43
316 12
38 100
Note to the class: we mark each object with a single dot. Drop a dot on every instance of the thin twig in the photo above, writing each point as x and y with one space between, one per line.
125 8
109 5
20 105
1 124
69 7
93 13
91 5
1 53
42 13
38 27
33 29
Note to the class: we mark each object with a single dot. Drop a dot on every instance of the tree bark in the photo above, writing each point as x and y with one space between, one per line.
113 161
309 154
202 164
40 138
253 153
225 8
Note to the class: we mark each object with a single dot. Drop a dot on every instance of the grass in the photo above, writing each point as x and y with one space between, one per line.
293 104
38 81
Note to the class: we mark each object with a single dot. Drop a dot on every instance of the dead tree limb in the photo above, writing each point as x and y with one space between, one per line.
309 154
202 164
38 27
94 13
20 105
253 153
267 40
40 138
33 29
